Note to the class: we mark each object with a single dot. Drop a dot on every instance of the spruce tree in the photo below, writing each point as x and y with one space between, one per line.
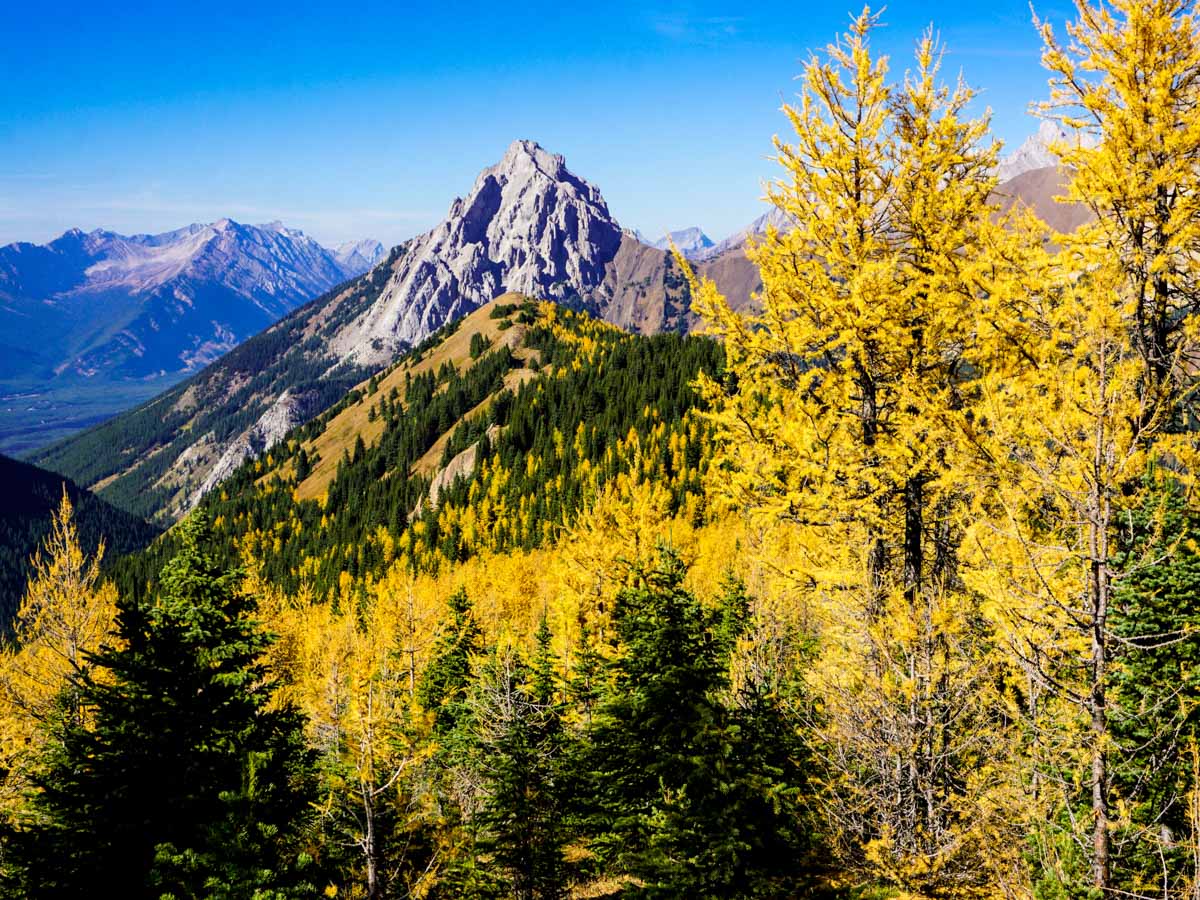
522 746
447 679
303 465
454 768
189 782
684 801
1156 717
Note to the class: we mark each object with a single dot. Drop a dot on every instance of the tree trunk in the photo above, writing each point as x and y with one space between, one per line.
1098 699
914 561
371 847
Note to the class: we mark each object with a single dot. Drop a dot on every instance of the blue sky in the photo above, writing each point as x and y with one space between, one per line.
368 119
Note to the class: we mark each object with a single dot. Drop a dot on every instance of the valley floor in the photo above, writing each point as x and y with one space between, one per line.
34 416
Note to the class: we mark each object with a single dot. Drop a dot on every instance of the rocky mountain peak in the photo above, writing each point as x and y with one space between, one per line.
1035 152
522 154
528 225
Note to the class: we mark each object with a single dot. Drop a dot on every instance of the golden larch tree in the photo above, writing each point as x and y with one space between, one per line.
66 614
841 414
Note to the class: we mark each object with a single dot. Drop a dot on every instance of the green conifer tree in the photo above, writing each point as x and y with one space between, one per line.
682 803
189 783
1156 717
523 748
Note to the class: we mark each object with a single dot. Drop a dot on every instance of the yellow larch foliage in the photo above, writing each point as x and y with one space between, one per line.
1129 76
66 614
854 384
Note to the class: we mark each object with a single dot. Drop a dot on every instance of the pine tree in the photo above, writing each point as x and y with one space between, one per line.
447 679
1156 696
303 465
455 772
523 749
190 782
682 806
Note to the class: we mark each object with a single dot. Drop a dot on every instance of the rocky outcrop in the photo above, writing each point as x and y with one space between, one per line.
282 416
462 464
528 225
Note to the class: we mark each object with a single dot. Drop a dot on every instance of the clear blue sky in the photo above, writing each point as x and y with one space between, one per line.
367 119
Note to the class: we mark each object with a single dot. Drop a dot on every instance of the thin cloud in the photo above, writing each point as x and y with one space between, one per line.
686 28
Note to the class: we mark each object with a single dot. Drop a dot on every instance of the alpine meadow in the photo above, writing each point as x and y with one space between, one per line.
853 557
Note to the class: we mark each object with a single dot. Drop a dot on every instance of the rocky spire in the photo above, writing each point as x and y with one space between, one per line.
528 224
1035 152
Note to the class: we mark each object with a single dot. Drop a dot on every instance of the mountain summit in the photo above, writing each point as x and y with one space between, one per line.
528 225
1035 152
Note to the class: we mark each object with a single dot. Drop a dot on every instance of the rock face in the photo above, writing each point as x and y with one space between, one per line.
288 411
528 225
531 226
1035 152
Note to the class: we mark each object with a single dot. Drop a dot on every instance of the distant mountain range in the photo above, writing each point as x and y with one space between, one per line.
109 315
528 225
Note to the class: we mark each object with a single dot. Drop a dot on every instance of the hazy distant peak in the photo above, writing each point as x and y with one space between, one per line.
357 257
773 217
1035 152
691 242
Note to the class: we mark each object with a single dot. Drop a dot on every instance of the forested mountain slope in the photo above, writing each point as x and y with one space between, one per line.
488 439
529 225
30 497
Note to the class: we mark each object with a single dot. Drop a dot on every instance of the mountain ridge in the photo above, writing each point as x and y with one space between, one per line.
31 496
528 225
139 312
